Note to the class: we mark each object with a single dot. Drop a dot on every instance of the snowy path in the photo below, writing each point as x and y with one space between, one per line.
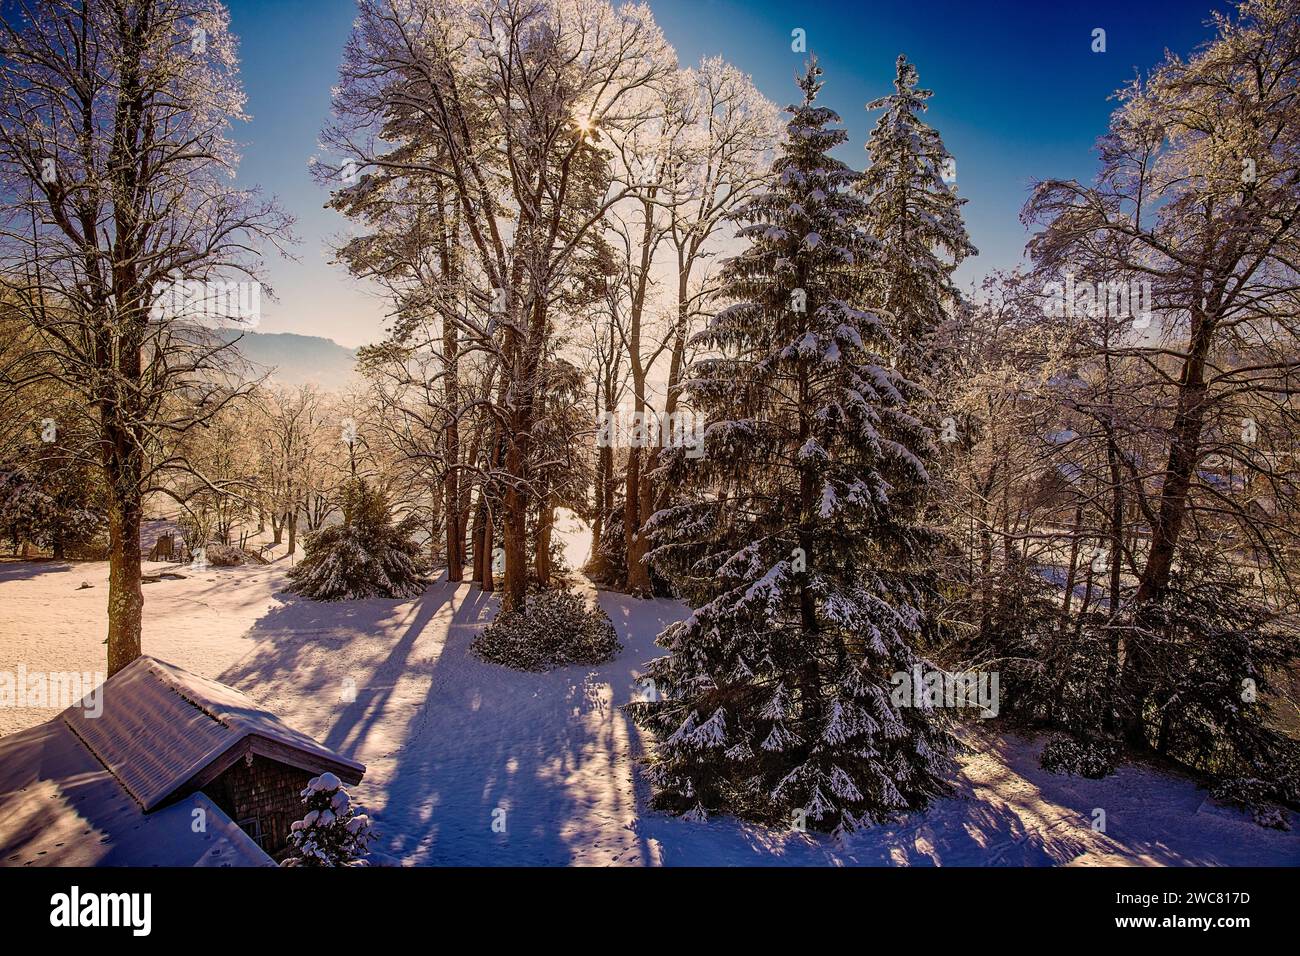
448 739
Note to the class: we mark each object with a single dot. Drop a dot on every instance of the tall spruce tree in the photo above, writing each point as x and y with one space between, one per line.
913 214
794 536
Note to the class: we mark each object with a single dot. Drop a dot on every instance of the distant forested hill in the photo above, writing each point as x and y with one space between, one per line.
299 359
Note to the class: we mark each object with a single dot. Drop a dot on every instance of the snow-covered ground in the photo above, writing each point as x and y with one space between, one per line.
450 742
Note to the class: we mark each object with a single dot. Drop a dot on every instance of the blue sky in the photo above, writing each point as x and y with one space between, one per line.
1018 96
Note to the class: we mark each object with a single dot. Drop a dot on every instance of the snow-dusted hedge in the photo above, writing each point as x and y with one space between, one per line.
365 556
555 629
1091 758
331 833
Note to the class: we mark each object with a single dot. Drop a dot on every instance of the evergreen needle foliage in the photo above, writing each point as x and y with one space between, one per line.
555 629
795 537
365 556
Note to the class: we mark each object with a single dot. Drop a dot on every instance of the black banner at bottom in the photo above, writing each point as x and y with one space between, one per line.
211 906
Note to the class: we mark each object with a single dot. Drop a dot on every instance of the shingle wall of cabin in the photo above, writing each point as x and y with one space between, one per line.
267 791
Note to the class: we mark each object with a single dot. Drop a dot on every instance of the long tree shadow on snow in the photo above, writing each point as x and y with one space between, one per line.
547 757
24 569
477 739
1154 816
542 756
331 655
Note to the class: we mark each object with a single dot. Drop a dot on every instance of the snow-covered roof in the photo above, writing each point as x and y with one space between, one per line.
59 806
163 732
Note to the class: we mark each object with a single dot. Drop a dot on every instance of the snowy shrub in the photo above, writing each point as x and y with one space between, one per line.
331 833
365 556
1013 626
224 556
555 629
1073 688
1091 758
1200 681
1194 683
1255 796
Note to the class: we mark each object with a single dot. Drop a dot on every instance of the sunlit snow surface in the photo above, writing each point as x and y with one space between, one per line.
448 739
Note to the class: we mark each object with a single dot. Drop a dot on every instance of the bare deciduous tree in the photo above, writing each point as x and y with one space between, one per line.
115 168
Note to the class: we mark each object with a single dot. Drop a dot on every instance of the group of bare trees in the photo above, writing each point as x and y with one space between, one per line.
538 185
1123 437
274 460
1199 196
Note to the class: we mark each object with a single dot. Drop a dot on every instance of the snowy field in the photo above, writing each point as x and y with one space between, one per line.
448 740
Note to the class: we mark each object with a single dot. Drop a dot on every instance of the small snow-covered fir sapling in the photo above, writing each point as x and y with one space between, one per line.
797 538
367 555
331 833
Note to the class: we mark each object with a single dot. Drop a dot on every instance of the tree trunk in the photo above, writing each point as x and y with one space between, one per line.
1116 571
454 521
489 574
477 539
521 393
595 564
451 380
291 519
545 524
125 597
638 575
605 485
1072 571
515 532
810 677
1184 452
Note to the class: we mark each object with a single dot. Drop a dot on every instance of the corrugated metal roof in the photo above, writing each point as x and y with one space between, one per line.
161 726
60 807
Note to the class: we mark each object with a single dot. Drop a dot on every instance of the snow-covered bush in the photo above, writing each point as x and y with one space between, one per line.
365 556
1202 673
1093 758
1189 676
1012 619
1255 796
223 556
331 833
555 629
